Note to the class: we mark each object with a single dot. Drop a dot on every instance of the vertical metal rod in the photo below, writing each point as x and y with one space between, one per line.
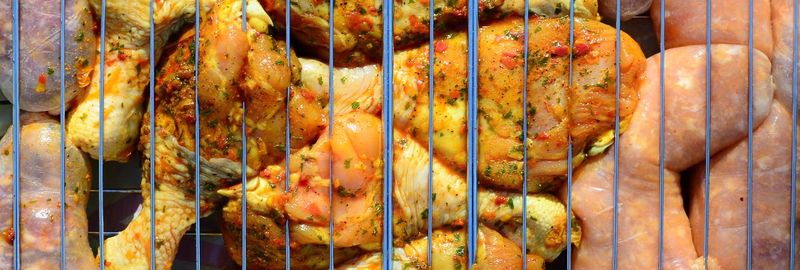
524 128
244 158
152 134
472 131
15 130
792 256
431 114
331 247
569 147
288 142
62 150
388 115
101 150
708 127
661 129
617 43
197 179
750 137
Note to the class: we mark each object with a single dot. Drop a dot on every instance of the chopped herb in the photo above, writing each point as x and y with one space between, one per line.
424 214
50 71
347 163
319 80
433 197
355 105
279 62
510 204
343 79
460 251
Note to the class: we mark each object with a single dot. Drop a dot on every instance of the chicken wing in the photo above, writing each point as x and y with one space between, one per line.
228 60
358 24
40 204
125 75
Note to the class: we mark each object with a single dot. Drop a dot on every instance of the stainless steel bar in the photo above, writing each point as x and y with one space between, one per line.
152 58
472 130
792 256
288 142
16 123
388 141
615 235
331 247
524 128
431 114
101 118
244 158
62 150
569 144
750 137
662 126
197 179
707 188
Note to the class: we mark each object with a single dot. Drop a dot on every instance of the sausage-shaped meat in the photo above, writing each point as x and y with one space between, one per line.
40 198
727 235
685 106
685 23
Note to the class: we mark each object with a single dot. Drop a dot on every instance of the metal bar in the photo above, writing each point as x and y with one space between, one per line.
62 130
152 58
388 115
288 142
331 247
524 128
101 226
792 256
472 131
244 158
750 138
431 84
15 130
661 129
708 128
615 250
197 179
569 146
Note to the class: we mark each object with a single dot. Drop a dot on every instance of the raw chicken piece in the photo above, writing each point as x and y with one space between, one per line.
39 52
685 23
728 198
589 104
358 24
449 252
228 58
782 60
126 74
628 8
40 203
685 106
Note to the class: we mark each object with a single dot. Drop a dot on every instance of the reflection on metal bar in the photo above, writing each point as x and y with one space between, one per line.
62 150
388 141
569 147
152 134
472 130
16 123
244 158
524 128
750 137
793 214
197 165
288 142
101 226
431 83
616 136
661 130
707 188
331 5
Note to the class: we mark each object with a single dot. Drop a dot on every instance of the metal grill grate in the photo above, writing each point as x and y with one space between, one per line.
104 196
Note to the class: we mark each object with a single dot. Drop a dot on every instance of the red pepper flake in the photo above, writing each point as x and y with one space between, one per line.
303 181
264 173
305 93
581 49
542 136
559 51
42 78
500 200
121 56
508 61
8 235
439 46
416 25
